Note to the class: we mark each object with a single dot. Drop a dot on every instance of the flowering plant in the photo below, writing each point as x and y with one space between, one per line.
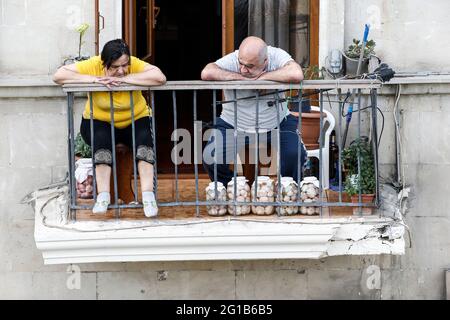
81 30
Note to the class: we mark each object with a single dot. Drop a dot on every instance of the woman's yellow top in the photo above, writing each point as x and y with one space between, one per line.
121 100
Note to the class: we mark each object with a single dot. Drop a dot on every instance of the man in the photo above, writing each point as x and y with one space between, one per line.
255 61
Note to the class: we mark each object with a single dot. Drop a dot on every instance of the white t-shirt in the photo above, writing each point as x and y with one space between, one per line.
246 109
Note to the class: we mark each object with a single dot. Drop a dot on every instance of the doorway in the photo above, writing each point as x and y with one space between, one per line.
187 36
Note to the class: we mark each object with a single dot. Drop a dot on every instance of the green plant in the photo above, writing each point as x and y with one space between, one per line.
354 50
363 149
82 149
81 30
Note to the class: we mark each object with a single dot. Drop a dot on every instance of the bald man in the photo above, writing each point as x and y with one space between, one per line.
254 60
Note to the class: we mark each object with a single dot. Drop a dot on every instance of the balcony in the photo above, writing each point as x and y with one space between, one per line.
67 232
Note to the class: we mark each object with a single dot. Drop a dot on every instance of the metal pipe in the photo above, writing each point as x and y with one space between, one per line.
256 147
215 145
223 203
151 97
300 139
175 148
359 151
91 122
235 152
71 154
195 154
113 147
373 95
134 147
278 152
321 141
339 145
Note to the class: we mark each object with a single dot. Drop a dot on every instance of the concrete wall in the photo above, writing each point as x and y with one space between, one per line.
409 34
37 36
33 154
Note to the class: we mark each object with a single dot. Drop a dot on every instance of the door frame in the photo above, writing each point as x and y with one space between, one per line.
314 14
129 31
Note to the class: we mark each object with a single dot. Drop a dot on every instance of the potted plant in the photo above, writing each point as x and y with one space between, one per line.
365 179
83 168
81 29
353 53
82 149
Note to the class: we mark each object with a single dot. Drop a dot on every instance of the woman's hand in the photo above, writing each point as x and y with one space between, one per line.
109 81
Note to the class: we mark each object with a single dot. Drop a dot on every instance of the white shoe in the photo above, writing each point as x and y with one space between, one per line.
102 203
149 203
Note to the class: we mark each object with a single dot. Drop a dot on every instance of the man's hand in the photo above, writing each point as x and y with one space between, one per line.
291 72
261 75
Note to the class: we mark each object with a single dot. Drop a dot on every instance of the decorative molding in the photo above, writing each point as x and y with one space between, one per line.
150 240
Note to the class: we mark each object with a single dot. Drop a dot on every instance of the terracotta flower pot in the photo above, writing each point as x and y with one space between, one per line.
365 198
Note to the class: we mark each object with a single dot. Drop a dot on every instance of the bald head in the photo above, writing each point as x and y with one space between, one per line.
252 57
253 47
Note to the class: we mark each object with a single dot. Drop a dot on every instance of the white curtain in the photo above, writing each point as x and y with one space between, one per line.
269 20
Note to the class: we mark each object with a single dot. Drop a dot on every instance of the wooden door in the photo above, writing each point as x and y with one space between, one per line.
227 26
314 11
144 14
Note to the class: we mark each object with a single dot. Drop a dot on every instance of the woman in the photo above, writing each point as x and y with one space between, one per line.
114 67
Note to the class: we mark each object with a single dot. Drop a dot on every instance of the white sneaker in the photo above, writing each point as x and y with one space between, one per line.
149 203
101 205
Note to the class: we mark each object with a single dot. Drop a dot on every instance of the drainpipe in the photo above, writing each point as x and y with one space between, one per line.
398 158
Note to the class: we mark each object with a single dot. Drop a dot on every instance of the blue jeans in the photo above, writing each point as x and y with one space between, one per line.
289 143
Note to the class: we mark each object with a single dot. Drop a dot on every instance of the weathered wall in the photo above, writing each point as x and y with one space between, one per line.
33 154
409 34
37 36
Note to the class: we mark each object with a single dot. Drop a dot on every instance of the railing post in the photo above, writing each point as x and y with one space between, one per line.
175 143
359 152
133 134
235 152
256 147
277 104
321 163
339 143
195 154
71 154
113 147
215 145
151 98
300 141
91 122
374 103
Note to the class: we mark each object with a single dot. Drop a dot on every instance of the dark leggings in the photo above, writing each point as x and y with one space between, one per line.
103 141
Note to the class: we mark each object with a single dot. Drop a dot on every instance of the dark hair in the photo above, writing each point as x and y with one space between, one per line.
113 50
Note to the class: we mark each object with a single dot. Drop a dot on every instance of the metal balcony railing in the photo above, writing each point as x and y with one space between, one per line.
339 90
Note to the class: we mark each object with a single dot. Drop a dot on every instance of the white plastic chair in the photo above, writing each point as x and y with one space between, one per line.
325 163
